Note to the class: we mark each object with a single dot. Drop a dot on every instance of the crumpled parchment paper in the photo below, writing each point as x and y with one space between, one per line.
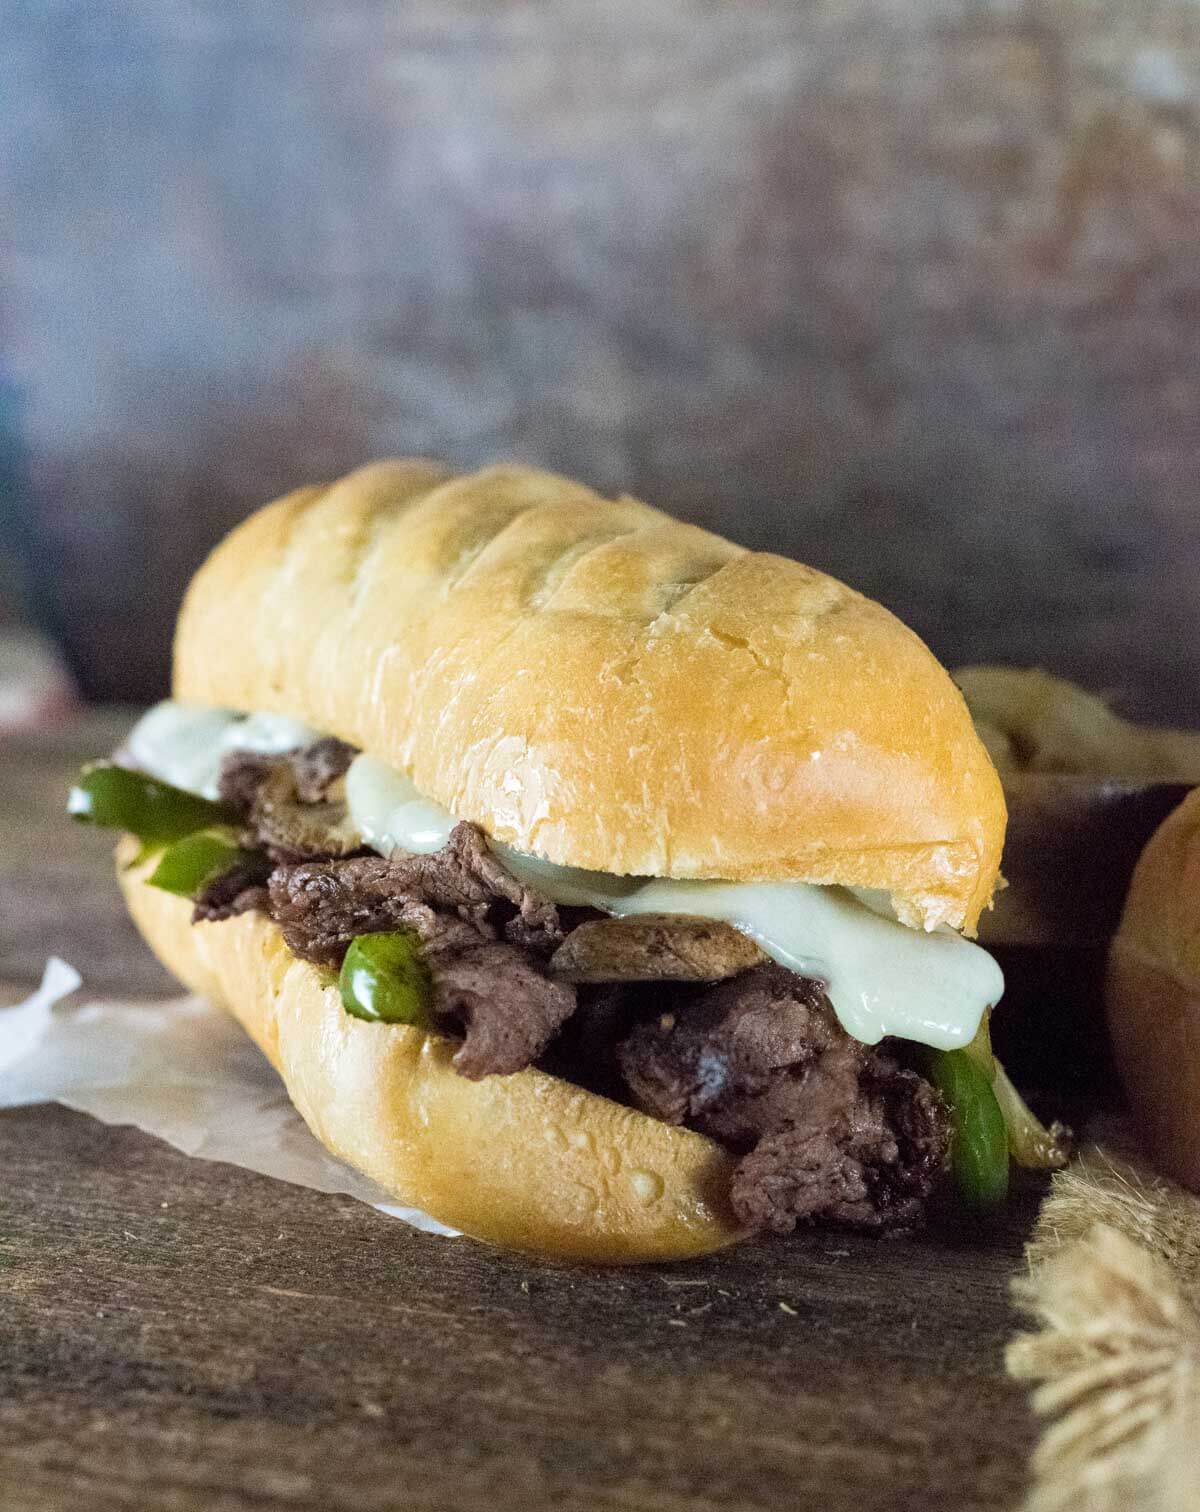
181 1070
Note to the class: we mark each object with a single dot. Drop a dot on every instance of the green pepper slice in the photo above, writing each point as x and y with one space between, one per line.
384 978
1030 1143
979 1156
187 867
157 813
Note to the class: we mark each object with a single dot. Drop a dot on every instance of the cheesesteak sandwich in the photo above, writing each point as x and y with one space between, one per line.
593 883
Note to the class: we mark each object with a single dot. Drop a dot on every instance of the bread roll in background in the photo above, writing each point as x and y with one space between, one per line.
1085 790
1031 721
1153 993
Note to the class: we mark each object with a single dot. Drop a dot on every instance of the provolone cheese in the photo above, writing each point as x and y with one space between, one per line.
183 743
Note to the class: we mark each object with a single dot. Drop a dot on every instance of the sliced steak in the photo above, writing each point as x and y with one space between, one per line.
241 889
463 879
874 1167
322 905
315 769
654 948
726 1059
498 993
830 1128
327 905
506 1006
534 922
292 804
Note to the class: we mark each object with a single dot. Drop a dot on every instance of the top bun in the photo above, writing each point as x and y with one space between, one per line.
592 681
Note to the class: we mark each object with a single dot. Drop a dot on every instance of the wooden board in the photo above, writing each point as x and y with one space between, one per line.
183 1335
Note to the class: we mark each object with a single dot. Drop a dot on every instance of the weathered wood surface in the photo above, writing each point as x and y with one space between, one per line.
181 1335
910 291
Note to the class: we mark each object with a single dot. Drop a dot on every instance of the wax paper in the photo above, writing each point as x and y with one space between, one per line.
181 1070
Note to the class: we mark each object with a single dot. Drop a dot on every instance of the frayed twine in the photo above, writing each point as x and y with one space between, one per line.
1114 1282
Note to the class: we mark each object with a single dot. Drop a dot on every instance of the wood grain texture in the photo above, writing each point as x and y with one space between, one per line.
186 1336
909 292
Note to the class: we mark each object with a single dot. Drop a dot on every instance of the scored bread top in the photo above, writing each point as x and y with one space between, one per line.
592 681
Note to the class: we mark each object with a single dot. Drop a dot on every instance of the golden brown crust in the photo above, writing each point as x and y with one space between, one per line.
527 1161
1153 992
592 681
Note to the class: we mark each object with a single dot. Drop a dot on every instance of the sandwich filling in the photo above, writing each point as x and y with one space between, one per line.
882 978
775 1017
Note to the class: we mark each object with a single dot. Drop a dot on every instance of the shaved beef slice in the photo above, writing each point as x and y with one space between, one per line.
654 948
241 889
289 803
509 1010
314 768
499 993
714 1059
830 1127
322 905
874 1167
535 923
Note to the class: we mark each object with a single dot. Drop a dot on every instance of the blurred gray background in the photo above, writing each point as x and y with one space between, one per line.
909 291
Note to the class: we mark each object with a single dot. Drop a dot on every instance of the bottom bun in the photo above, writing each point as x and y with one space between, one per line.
526 1161
1152 993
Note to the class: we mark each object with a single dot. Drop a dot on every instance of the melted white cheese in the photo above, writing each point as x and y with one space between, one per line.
183 743
390 814
882 977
